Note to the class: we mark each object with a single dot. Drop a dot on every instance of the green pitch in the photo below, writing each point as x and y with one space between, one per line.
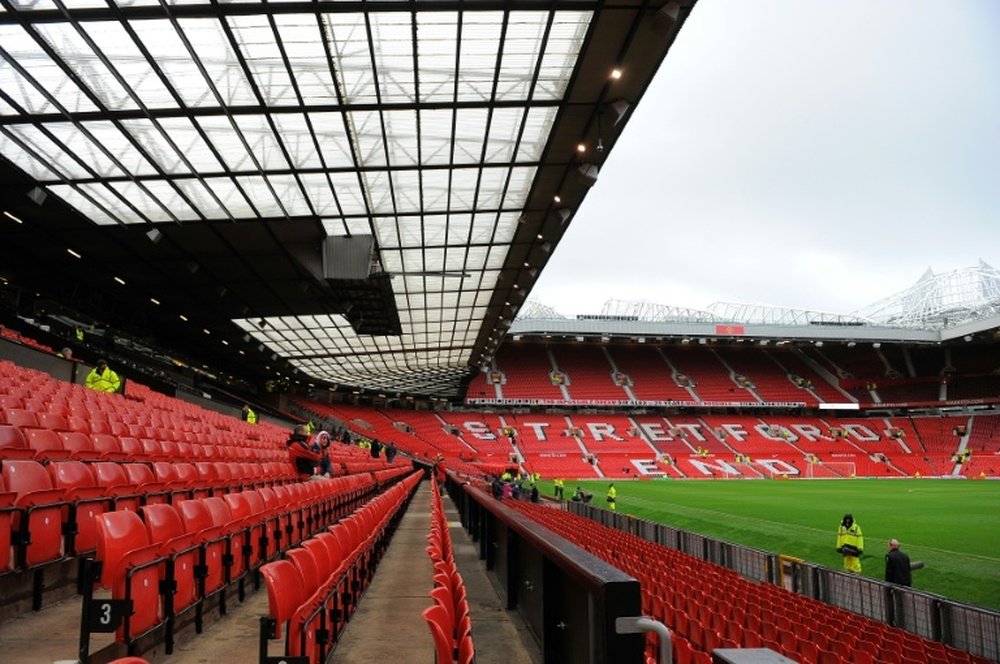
951 525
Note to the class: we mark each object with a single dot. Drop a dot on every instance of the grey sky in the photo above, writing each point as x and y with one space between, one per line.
804 153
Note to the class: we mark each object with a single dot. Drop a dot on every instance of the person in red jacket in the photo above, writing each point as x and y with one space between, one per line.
305 460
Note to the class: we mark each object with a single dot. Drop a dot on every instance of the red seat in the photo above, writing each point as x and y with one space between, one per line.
112 477
284 591
107 446
86 501
439 623
38 520
7 500
123 545
13 444
20 418
141 476
78 424
198 521
309 570
77 445
165 528
252 524
52 421
46 444
151 449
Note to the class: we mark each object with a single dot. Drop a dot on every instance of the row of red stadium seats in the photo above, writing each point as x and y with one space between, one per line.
312 593
448 619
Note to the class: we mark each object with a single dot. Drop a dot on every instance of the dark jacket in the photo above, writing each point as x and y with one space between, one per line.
897 567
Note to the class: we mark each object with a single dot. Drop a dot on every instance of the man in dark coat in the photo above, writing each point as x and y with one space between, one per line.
897 565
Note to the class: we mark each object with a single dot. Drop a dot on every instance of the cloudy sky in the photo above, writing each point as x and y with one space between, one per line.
812 154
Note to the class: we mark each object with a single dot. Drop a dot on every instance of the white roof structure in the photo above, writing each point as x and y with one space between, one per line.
234 134
939 301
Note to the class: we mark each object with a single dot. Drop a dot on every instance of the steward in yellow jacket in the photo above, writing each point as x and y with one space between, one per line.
850 544
103 379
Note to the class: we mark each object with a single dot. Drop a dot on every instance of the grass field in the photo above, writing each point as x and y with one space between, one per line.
953 526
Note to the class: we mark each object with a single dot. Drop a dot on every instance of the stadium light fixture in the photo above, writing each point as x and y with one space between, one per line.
851 344
616 73
182 317
12 217
819 343
120 281
154 235
876 345
154 301
581 147
73 253
557 198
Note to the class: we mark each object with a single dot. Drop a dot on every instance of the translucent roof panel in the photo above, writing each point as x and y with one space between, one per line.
421 127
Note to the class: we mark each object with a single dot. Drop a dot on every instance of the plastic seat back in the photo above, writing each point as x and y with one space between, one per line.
440 626
132 449
77 444
112 476
324 564
52 421
87 501
42 504
13 443
164 472
166 528
123 543
106 444
306 563
138 473
284 591
46 444
198 521
20 418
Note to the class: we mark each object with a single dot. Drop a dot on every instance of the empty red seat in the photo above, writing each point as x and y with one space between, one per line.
77 445
7 500
19 418
38 520
112 477
198 521
13 443
85 502
52 421
123 545
284 593
46 444
107 446
165 528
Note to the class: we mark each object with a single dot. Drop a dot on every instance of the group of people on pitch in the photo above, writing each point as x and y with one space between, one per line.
851 545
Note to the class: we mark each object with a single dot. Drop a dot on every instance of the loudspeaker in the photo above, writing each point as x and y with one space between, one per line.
587 174
37 195
348 257
666 18
618 110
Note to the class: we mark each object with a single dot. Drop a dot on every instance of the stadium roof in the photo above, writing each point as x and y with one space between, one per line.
939 307
175 167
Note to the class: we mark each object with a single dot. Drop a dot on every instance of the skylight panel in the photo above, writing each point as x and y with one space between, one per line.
335 147
24 160
123 54
41 69
351 56
83 204
392 40
480 41
262 55
85 63
303 42
437 43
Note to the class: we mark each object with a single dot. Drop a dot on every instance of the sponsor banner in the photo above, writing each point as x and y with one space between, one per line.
731 330
632 403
